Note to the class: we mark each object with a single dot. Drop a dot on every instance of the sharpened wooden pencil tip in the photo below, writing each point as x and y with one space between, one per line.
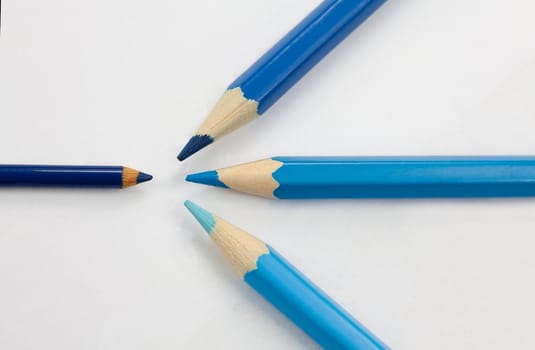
240 248
133 177
195 144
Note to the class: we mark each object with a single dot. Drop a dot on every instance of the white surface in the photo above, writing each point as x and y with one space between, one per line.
122 82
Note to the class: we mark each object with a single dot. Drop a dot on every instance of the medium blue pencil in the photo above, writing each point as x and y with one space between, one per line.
70 176
259 87
286 288
378 177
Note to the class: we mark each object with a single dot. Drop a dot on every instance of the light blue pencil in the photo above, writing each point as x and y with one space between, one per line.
260 86
378 177
286 288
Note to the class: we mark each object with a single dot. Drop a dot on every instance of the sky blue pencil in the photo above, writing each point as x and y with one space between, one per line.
378 177
260 86
286 288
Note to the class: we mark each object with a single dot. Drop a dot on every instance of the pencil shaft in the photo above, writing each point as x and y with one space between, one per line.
379 177
393 177
301 49
307 306
61 175
260 86
285 287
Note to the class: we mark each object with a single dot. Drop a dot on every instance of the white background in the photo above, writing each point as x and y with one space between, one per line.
127 83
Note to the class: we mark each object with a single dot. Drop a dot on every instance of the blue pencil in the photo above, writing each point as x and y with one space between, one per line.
285 287
70 176
378 177
260 86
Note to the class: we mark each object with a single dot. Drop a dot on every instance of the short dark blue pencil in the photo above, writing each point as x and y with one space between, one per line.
268 79
14 175
378 177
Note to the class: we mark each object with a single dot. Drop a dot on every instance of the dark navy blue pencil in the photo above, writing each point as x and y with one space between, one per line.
378 177
260 86
70 176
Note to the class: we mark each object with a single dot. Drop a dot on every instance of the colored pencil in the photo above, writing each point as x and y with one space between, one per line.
285 287
260 86
70 176
378 177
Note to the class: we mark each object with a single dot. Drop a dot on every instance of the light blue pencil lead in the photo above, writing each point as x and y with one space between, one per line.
204 218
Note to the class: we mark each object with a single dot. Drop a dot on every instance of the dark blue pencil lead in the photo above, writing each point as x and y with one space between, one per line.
142 177
195 144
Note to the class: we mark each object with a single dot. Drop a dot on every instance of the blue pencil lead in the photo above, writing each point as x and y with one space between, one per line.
195 144
206 178
204 218
143 177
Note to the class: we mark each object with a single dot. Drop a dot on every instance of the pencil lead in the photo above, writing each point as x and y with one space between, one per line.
142 177
204 218
206 178
195 144
133 177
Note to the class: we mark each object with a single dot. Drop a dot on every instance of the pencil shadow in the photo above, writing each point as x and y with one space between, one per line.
59 189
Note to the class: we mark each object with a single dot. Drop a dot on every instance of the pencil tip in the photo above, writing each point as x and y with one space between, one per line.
204 218
194 145
142 177
133 177
206 178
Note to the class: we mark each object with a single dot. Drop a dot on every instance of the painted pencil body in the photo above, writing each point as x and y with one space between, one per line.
70 176
286 288
378 177
251 94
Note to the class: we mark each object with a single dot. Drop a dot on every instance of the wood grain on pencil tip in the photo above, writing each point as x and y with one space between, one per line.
254 178
231 111
232 240
268 79
133 177
285 287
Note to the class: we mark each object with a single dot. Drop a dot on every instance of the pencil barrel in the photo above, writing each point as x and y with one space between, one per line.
302 48
404 177
307 306
61 176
